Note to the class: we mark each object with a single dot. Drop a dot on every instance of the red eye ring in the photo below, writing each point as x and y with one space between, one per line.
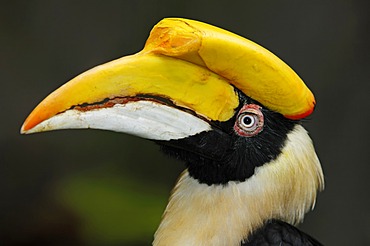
249 121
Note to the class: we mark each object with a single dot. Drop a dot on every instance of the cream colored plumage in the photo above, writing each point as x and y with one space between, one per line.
285 189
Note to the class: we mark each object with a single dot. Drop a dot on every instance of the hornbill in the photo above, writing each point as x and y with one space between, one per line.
229 109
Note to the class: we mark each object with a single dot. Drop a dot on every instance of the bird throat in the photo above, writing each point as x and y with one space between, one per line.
198 214
226 214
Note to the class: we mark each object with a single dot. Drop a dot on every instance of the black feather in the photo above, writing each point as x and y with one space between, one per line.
221 155
279 233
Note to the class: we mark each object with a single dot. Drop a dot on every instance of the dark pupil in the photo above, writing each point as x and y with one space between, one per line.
247 120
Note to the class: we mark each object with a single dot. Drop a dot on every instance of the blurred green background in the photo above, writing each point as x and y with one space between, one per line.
87 187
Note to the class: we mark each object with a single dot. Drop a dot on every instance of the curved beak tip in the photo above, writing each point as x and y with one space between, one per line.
25 128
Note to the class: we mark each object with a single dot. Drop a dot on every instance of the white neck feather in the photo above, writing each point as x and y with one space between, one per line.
285 189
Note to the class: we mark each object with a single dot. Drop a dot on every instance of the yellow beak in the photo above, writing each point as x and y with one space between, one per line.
189 64
183 83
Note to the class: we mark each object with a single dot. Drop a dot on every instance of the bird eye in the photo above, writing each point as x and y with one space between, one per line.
249 121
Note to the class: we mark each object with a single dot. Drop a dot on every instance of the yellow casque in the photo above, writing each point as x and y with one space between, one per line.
248 66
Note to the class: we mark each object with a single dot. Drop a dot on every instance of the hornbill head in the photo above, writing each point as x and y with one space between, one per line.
224 105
